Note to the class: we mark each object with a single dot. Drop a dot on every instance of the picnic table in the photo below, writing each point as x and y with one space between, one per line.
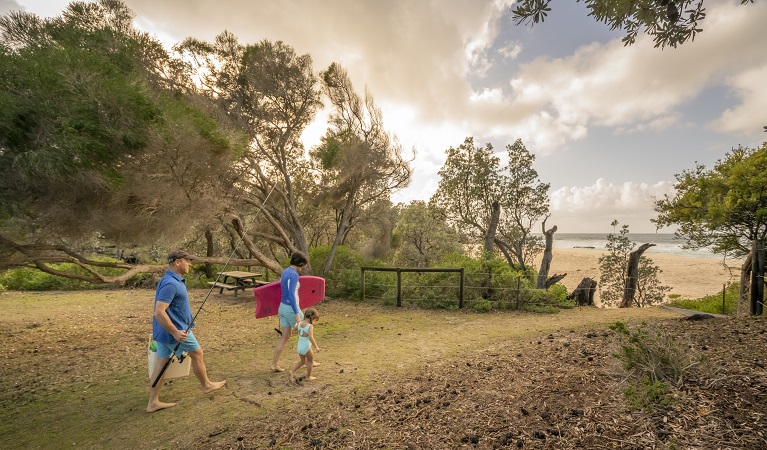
236 281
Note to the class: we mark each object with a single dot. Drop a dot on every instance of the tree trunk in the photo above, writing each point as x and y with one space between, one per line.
584 293
543 273
343 227
745 286
495 214
554 279
632 275
492 227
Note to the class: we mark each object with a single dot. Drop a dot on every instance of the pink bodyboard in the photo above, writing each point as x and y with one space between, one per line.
311 290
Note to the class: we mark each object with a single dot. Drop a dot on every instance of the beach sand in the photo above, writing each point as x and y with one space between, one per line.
691 277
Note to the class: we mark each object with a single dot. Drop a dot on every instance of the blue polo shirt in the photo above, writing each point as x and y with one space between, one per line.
172 290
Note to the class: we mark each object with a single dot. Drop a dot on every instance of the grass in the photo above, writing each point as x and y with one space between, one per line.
74 364
711 303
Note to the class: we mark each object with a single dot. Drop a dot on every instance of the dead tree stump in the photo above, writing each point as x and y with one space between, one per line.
584 293
632 275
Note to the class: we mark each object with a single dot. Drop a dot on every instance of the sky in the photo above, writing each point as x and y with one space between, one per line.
609 125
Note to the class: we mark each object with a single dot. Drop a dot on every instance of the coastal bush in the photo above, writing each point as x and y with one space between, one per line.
33 279
654 361
343 278
712 303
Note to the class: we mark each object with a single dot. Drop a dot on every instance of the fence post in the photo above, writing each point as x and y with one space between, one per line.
399 287
362 287
518 287
757 277
460 291
724 291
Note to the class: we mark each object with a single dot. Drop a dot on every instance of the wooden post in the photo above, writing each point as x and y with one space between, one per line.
460 290
724 292
399 287
362 283
757 278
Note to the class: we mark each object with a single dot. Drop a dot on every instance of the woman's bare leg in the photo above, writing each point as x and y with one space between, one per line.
286 332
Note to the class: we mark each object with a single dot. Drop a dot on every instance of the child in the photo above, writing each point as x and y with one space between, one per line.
305 344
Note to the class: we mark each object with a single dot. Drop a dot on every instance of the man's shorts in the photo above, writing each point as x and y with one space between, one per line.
287 316
189 345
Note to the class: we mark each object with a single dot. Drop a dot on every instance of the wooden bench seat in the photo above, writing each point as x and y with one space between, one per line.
221 285
228 287
236 287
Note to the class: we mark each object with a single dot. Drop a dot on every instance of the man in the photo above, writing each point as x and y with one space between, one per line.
172 317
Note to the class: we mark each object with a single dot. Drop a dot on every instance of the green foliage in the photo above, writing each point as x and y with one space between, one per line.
343 278
509 288
655 362
559 291
612 279
646 393
723 208
422 236
472 182
96 134
712 303
670 23
480 305
33 279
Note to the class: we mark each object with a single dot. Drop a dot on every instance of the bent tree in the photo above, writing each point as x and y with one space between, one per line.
360 164
270 94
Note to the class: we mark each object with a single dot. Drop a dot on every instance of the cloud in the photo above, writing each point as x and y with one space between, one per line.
750 114
587 207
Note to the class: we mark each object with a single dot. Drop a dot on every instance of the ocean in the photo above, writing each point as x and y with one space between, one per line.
664 243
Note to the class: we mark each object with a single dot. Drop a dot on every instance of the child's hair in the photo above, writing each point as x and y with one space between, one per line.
298 259
311 315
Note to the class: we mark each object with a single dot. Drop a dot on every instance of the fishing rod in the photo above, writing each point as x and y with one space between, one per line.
236 247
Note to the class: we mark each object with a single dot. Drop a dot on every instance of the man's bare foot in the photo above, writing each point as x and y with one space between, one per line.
311 378
292 377
277 369
213 386
315 364
152 407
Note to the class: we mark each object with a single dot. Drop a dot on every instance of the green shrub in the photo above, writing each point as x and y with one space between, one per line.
646 393
654 361
32 279
560 292
712 303
343 277
479 304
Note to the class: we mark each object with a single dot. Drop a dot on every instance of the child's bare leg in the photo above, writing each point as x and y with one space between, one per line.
309 365
296 366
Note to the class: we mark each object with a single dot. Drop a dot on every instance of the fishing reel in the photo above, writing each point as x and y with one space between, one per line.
180 358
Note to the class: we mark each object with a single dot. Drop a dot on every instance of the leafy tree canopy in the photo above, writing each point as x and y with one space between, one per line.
96 135
670 22
724 207
473 181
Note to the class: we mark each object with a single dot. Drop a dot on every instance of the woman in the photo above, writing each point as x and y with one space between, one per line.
290 310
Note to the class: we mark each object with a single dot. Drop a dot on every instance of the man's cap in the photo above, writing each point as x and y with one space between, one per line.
178 254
